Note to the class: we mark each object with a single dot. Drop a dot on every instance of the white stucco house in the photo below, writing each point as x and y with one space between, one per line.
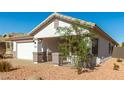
42 41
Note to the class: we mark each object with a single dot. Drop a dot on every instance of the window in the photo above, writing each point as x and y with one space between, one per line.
110 48
95 47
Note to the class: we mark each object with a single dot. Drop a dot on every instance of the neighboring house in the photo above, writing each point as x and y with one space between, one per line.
42 41
6 46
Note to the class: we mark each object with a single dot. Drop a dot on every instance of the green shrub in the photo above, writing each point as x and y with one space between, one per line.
122 44
5 66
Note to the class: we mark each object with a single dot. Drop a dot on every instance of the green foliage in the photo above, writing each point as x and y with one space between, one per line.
5 66
76 42
122 44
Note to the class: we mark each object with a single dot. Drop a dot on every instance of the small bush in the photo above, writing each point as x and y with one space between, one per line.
5 66
116 67
79 70
119 60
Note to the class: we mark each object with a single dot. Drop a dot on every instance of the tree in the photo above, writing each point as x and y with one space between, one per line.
122 44
76 44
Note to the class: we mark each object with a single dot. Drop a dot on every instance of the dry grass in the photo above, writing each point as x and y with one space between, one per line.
5 66
51 72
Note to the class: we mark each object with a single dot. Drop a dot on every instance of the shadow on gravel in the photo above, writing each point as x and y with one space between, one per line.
13 69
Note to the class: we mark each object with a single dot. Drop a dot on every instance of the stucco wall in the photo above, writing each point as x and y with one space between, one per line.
50 31
103 48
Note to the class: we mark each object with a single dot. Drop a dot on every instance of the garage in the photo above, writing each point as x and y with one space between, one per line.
25 50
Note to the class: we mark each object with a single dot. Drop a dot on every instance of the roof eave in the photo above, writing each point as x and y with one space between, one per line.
106 35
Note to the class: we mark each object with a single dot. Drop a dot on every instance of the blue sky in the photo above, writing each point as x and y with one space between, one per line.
23 22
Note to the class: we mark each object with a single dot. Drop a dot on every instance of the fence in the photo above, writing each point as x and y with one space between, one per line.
118 52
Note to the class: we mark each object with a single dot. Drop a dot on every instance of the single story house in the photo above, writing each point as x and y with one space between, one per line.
5 48
43 40
6 45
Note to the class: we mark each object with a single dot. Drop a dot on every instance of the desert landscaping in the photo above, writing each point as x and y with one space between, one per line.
82 50
46 71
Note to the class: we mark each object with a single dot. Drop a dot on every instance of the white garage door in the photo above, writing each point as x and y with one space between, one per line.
25 50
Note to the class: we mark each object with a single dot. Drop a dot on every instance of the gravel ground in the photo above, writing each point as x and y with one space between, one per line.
51 72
